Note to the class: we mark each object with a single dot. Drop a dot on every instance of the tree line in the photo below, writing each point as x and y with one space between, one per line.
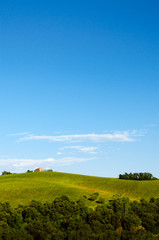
28 171
137 176
64 219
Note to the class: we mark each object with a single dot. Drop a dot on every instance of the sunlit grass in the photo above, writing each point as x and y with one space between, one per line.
46 186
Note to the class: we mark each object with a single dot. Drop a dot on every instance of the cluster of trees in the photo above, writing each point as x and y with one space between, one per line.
137 176
68 220
48 170
6 173
28 171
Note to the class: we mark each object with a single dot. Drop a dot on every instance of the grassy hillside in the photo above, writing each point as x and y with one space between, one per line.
45 186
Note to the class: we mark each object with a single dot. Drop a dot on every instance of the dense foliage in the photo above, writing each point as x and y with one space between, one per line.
137 176
68 220
6 173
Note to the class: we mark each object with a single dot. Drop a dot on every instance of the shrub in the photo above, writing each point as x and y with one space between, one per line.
137 176
100 200
6 173
93 196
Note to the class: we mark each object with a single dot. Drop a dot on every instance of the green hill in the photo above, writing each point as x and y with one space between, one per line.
46 186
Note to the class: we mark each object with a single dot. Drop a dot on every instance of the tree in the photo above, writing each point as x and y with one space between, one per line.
6 173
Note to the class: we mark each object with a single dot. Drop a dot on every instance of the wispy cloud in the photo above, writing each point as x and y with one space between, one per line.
109 137
22 163
153 125
90 150
59 153
138 133
19 134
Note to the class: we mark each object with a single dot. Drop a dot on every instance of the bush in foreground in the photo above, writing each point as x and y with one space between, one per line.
69 220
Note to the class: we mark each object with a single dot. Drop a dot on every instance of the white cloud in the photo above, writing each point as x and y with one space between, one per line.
109 137
138 133
19 134
71 160
91 150
23 163
153 125
59 153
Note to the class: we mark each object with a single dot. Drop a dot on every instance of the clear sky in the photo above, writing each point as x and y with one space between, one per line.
79 86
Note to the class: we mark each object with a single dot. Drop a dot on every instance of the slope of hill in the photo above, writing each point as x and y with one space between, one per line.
46 186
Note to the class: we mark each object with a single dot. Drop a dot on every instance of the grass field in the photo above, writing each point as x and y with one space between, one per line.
46 186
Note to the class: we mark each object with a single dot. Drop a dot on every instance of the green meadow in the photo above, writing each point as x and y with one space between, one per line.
46 186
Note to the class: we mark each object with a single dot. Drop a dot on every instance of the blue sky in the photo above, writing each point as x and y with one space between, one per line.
79 83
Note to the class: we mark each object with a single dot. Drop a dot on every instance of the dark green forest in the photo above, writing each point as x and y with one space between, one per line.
64 219
137 176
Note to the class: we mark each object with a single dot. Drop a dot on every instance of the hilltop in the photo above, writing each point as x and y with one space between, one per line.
46 186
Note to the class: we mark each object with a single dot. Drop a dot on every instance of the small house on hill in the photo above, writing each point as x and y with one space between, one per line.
39 170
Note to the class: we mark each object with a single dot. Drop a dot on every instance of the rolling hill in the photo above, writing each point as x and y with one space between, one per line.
46 186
